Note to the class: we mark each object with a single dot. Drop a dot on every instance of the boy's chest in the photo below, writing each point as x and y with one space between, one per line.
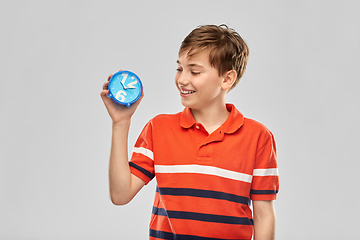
194 146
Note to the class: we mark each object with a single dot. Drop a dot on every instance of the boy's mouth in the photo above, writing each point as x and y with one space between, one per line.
186 91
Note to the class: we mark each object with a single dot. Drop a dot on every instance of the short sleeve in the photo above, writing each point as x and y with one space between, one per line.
142 159
265 183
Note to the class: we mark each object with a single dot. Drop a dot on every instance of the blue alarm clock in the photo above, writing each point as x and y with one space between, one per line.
125 88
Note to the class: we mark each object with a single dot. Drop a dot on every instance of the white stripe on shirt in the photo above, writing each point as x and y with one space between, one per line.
266 172
209 170
148 153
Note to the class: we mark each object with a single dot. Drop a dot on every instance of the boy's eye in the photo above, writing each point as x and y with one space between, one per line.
178 69
195 73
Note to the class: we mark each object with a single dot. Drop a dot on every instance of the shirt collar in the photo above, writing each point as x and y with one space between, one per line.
231 125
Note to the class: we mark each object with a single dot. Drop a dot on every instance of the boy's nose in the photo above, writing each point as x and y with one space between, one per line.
182 80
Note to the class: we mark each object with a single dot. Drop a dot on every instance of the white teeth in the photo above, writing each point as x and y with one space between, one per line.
186 92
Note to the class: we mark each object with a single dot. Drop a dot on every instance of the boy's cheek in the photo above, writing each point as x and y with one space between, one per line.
176 80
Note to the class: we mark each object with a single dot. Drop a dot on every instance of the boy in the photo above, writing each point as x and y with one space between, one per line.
209 161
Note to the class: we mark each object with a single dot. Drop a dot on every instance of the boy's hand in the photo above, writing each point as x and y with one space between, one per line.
117 112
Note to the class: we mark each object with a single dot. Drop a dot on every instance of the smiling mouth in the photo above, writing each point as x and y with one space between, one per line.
186 91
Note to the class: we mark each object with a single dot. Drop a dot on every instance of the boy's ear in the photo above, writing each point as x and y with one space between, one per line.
229 79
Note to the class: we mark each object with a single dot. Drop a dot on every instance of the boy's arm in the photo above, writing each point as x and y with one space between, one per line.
264 220
123 185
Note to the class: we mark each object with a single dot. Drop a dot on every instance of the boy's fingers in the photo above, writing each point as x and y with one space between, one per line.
104 93
106 86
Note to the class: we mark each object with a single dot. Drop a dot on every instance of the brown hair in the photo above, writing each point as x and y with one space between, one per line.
227 50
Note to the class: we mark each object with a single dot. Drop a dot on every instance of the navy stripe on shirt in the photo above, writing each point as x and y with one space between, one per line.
252 191
202 217
203 194
144 171
172 236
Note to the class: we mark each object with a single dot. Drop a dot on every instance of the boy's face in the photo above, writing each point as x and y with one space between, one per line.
198 82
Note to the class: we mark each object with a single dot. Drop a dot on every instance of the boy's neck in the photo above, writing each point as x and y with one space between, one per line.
211 118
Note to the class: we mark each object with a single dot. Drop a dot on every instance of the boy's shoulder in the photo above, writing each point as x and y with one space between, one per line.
256 128
167 116
251 123
170 118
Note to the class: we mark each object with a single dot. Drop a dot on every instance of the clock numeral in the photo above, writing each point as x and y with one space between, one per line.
124 75
131 85
120 95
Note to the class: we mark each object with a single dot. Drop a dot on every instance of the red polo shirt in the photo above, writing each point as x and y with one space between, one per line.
205 182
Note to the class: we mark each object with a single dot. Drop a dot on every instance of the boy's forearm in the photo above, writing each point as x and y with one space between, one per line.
264 220
264 228
119 170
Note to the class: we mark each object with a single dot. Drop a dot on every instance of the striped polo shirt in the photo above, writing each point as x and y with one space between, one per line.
205 182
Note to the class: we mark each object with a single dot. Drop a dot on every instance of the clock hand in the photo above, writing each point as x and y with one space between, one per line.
123 83
124 79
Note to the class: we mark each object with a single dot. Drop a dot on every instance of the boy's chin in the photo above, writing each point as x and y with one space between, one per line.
186 103
189 105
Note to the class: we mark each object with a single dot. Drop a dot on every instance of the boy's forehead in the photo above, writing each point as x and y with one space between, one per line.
200 56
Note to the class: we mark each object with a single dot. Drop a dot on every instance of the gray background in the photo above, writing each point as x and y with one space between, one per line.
302 82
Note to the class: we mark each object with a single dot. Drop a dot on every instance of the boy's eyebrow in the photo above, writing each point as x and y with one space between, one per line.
191 64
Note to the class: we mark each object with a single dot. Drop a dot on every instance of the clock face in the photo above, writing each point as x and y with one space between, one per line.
125 88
